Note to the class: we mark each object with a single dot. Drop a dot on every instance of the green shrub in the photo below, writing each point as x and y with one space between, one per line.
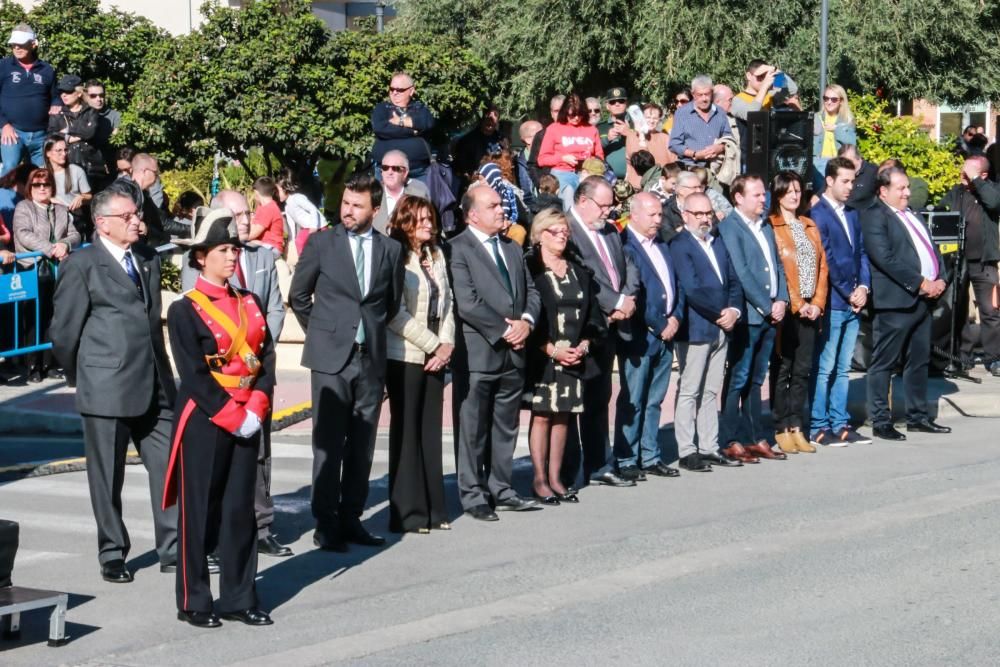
882 135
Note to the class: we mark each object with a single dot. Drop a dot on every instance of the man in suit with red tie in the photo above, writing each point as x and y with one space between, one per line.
599 245
907 277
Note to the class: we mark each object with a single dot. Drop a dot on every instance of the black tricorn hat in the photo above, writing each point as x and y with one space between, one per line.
211 227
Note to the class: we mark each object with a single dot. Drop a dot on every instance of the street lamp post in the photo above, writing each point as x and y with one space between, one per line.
823 24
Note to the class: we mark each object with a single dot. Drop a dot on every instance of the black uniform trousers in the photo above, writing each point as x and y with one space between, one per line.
105 443
416 476
898 334
589 432
216 474
345 410
790 371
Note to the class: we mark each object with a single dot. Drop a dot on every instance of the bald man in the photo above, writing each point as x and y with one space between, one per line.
644 360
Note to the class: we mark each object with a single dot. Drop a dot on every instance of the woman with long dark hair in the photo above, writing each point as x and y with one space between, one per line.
419 345
568 142
801 251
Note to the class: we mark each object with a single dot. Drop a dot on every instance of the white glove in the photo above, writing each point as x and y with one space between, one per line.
250 425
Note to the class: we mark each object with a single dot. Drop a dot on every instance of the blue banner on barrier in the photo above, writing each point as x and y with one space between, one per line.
21 286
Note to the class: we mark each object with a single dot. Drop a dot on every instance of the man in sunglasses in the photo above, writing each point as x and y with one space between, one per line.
28 97
108 122
396 183
614 130
402 123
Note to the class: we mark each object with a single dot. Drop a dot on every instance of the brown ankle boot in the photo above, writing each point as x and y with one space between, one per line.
802 442
786 442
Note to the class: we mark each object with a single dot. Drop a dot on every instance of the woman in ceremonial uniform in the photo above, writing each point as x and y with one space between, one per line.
225 361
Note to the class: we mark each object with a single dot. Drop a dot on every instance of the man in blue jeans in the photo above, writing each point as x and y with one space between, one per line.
644 361
850 282
27 97
750 242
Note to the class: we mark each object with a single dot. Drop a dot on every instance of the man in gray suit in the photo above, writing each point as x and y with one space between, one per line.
347 286
396 183
106 333
497 304
599 245
257 273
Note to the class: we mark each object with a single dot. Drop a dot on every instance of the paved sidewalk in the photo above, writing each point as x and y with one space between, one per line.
45 410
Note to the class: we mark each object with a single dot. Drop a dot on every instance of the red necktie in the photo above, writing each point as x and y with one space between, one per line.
239 270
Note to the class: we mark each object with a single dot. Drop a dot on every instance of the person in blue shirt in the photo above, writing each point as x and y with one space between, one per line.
27 97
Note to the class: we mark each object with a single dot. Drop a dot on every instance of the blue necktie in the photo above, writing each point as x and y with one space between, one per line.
133 273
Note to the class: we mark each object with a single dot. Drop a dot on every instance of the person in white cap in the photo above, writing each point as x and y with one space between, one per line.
27 97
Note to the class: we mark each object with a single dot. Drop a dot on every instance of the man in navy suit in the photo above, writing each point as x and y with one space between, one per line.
713 301
645 359
907 278
850 283
750 242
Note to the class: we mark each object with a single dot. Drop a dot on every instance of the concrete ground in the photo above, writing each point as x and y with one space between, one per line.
883 554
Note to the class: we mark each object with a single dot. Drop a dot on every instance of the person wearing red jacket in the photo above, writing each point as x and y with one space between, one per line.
225 360
567 143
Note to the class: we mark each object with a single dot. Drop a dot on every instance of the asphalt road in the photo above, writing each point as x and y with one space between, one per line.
873 555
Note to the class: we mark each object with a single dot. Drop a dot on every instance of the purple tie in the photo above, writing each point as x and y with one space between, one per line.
916 230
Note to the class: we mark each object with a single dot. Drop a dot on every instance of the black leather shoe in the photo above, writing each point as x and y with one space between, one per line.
115 572
251 616
269 546
482 513
55 374
326 542
720 460
517 504
35 376
661 469
694 463
631 474
568 497
546 500
887 432
355 533
610 479
926 426
200 619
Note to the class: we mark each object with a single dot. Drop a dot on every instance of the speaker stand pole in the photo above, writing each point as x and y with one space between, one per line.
954 369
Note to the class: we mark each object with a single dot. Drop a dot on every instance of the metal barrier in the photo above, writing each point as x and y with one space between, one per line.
19 293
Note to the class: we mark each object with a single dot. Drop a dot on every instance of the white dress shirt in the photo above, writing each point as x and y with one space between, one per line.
838 208
119 254
484 239
921 242
706 245
758 231
366 239
659 265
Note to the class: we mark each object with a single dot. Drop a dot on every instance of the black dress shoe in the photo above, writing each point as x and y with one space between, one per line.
661 469
482 513
568 497
694 463
926 426
887 432
355 533
517 504
633 473
55 374
546 500
251 616
610 479
200 619
35 376
115 572
269 546
326 542
720 460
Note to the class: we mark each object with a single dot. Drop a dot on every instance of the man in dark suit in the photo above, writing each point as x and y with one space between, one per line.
850 285
256 272
598 244
907 277
497 304
750 242
106 332
345 350
644 362
713 306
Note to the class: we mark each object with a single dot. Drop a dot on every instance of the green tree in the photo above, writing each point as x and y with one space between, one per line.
270 75
78 37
